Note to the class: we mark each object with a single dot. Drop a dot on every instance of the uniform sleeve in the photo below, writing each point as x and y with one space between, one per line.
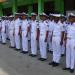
46 25
50 26
20 22
66 28
62 28
37 24
13 24
0 24
29 23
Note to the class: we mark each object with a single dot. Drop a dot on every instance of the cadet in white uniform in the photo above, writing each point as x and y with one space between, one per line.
7 26
70 45
56 41
24 27
62 22
43 28
33 27
0 29
17 26
50 23
29 33
11 32
3 30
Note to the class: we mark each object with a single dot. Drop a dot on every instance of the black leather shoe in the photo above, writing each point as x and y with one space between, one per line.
62 55
42 59
4 43
51 52
17 49
11 47
24 52
71 70
32 55
51 63
66 68
55 64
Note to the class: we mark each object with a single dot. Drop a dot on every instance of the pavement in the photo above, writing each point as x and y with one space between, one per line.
16 63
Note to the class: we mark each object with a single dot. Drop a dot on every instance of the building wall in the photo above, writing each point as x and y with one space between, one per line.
21 2
14 4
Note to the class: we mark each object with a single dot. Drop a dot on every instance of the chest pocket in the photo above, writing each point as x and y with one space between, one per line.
71 30
57 28
24 25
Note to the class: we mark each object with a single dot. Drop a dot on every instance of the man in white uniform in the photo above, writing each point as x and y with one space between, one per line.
33 27
25 29
0 29
43 29
50 23
70 45
7 27
3 30
56 41
62 22
17 26
11 32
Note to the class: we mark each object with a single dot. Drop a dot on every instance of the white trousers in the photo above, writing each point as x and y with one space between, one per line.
3 37
56 49
7 32
12 39
0 37
17 41
29 36
70 53
24 42
63 49
49 42
33 45
43 46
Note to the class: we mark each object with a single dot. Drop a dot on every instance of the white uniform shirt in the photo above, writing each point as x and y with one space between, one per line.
50 23
43 27
63 25
71 31
11 26
66 24
3 26
57 29
17 24
34 26
7 23
25 26
0 24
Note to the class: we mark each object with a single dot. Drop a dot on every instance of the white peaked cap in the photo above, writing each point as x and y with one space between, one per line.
71 14
62 15
33 14
57 15
17 13
24 13
44 14
11 16
50 14
4 16
0 18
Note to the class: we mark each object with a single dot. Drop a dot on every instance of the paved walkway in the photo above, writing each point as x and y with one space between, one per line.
15 63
